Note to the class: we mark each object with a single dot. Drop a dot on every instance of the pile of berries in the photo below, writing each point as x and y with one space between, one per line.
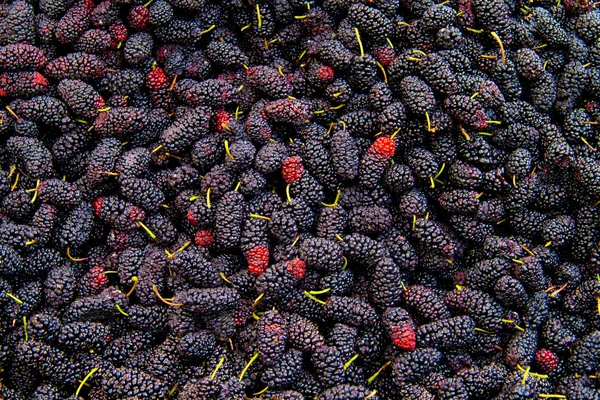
290 199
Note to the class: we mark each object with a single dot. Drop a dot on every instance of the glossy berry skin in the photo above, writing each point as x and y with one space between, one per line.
547 360
203 238
292 169
375 161
281 199
383 148
138 17
404 338
296 267
258 259
325 74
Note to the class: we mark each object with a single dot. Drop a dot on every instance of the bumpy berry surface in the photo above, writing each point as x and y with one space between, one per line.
280 199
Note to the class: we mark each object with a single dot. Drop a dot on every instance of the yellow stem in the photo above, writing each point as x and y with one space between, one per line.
88 376
15 298
155 289
121 310
254 357
362 51
217 368
259 19
135 283
350 361
148 231
310 296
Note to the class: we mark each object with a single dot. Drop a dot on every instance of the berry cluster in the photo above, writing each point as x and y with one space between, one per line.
290 199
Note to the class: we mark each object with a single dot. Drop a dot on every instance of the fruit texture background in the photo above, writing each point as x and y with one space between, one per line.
289 199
